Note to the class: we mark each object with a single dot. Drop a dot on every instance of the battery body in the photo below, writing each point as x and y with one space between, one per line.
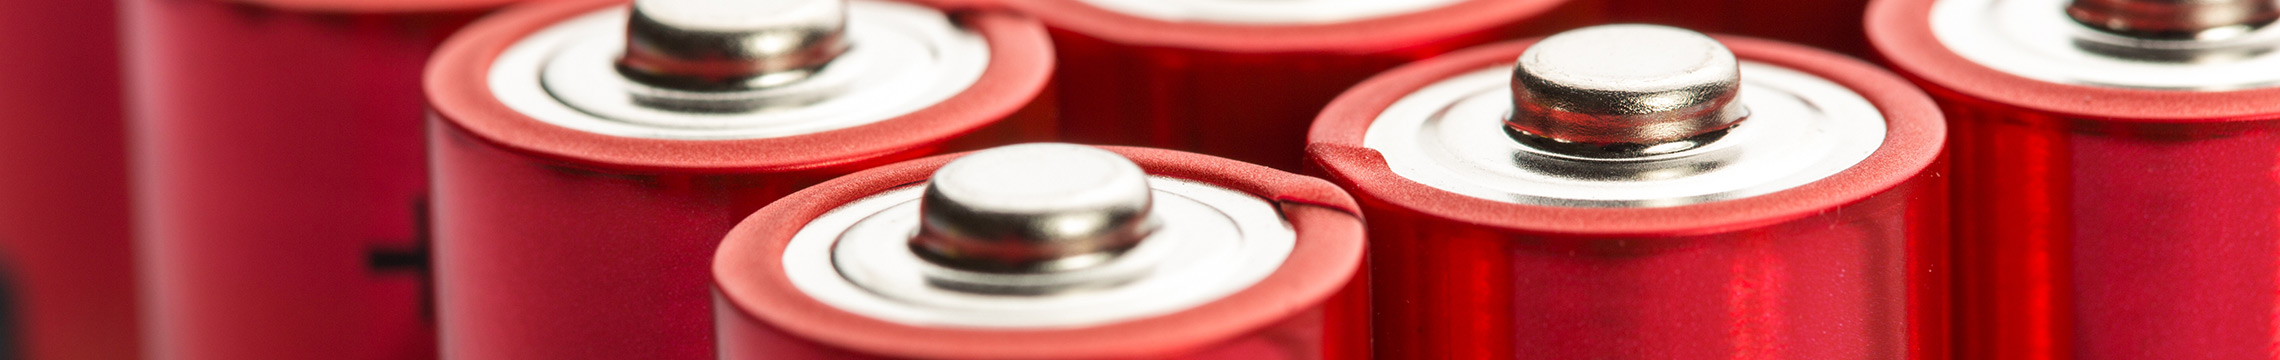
2098 222
65 264
1248 91
1314 307
280 179
1847 267
556 243
1827 24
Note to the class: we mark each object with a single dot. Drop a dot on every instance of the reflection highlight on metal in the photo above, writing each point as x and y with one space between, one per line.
721 69
1186 244
1267 12
2187 45
1624 92
1801 129
1033 208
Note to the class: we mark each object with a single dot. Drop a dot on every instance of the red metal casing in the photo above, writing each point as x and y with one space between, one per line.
2102 222
1833 25
555 243
1315 307
1247 92
64 237
1848 267
280 176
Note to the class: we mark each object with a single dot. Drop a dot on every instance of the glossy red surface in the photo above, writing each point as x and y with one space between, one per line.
554 243
1314 307
64 237
2102 223
1833 25
1849 267
1249 92
281 179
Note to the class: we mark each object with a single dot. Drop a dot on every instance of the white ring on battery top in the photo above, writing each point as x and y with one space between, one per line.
2035 39
1801 129
902 58
1213 242
1268 12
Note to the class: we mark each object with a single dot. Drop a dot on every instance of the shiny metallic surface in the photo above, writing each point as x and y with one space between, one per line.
2174 19
2144 44
1033 208
727 45
1267 12
1209 242
1802 129
1624 91
900 58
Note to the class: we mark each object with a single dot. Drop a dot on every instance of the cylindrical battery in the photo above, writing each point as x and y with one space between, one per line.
66 274
279 176
2115 189
1049 251
1637 191
582 183
1827 24
1242 79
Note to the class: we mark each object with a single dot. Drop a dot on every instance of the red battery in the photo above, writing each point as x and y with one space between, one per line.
279 172
66 273
2116 189
1646 199
1229 261
1827 24
1242 79
580 193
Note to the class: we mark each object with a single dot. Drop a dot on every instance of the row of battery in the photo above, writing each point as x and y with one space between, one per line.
415 179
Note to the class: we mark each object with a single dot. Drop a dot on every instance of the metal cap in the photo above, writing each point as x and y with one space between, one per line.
1033 208
2174 19
1616 91
730 44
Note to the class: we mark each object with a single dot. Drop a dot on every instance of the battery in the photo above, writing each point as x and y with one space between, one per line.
1242 79
589 155
66 273
1640 191
1827 24
1049 251
2115 192
279 175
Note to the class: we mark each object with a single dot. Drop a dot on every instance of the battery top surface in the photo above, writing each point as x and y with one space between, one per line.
2086 59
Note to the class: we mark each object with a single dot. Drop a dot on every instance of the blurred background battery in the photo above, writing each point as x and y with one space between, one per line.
1827 24
1242 79
1639 191
1049 251
279 174
589 155
2117 189
66 272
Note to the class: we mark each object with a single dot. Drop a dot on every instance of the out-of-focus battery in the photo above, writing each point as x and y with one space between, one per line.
1242 79
589 155
2116 185
66 272
279 176
1638 191
1826 24
1049 251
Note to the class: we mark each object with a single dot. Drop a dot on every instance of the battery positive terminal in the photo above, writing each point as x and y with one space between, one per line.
1621 92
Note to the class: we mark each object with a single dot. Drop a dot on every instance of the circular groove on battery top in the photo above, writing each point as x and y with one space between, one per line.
2037 39
1210 243
1801 129
1266 12
901 58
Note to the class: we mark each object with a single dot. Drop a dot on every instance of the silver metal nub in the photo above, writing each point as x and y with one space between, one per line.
1033 208
1624 91
702 45
2174 19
